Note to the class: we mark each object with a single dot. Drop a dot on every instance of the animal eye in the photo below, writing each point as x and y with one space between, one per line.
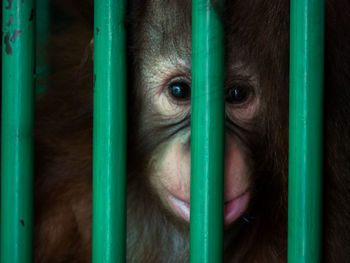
238 94
180 90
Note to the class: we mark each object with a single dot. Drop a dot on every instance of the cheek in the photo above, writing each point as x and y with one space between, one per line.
170 175
237 172
171 168
237 178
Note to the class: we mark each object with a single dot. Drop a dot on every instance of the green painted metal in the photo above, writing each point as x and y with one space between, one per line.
305 150
109 133
207 133
17 131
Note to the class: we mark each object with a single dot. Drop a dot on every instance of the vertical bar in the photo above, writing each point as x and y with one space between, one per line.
207 133
17 131
305 150
109 134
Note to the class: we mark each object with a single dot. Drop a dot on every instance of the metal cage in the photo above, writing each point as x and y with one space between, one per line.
207 149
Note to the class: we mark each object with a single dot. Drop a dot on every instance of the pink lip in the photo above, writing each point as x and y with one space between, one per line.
233 209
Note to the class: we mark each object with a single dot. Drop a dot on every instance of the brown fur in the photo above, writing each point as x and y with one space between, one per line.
258 36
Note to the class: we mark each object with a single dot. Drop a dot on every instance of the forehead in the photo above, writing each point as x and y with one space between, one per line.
255 29
166 28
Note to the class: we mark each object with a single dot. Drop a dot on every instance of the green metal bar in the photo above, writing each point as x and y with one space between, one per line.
17 131
305 150
109 134
207 133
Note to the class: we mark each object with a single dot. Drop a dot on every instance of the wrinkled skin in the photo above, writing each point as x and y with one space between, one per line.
256 157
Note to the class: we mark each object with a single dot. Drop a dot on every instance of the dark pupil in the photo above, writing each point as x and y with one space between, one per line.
236 94
179 90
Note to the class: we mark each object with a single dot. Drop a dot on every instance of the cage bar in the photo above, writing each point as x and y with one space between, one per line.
17 131
207 132
109 133
305 134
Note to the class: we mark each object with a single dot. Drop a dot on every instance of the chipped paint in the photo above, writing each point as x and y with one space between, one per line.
8 48
97 30
9 4
10 21
15 35
8 39
22 222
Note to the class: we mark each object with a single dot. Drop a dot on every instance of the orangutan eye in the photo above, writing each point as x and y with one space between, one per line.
238 94
180 91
